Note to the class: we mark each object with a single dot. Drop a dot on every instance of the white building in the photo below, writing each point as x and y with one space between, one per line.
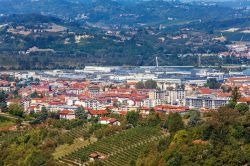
107 120
176 97
207 101
67 114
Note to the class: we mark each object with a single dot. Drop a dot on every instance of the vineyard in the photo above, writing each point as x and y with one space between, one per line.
120 148
81 138
78 132
6 122
9 135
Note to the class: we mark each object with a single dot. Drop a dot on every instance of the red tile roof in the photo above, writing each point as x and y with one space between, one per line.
66 112
205 91
239 78
56 103
224 94
98 112
244 99
123 113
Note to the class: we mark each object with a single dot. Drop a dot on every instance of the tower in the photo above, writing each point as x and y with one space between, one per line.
199 60
156 61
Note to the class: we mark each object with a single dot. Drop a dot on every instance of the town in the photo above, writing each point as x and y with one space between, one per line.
118 90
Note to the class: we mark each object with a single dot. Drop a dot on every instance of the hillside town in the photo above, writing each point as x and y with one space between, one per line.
100 91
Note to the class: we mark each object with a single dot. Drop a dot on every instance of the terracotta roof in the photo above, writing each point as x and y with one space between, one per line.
66 112
98 112
55 103
171 108
244 99
224 94
123 113
239 78
205 91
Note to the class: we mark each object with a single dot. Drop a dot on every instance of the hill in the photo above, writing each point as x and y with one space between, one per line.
48 34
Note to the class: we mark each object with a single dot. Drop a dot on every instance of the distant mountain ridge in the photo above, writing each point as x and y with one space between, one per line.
116 32
116 11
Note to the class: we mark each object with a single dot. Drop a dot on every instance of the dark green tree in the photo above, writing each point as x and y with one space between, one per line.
150 84
242 108
80 113
174 122
194 118
16 109
3 104
212 83
139 85
35 95
132 117
235 96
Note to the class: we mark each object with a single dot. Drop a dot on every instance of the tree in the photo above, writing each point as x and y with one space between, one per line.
139 85
150 84
80 113
180 136
44 114
132 117
34 95
195 117
3 104
174 122
16 109
226 89
221 121
224 116
212 83
175 160
15 94
153 119
117 104
236 95
231 155
242 108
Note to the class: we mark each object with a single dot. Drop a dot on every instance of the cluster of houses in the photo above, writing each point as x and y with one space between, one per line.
98 99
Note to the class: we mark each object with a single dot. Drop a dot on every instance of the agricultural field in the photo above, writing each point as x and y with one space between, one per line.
9 135
80 138
5 122
78 132
120 148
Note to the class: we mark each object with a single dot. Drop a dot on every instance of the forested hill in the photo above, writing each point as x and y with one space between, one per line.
110 11
71 34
